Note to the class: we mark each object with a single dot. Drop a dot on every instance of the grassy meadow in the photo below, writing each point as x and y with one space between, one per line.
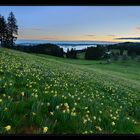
42 94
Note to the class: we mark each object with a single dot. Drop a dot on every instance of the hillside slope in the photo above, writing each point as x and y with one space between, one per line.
45 91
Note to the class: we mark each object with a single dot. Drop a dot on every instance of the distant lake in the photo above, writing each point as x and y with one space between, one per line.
78 45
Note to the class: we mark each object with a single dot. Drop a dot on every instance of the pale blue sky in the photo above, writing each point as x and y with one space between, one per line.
100 23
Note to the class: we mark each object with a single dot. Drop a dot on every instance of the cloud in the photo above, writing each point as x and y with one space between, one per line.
47 38
90 35
138 28
111 35
32 29
128 38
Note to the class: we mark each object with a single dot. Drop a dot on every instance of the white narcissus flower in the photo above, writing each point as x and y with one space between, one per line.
57 107
33 113
45 129
113 123
22 93
98 128
8 127
94 117
52 113
0 100
48 104
36 96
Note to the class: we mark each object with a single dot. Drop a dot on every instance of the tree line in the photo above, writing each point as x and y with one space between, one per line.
49 49
101 52
130 47
71 53
8 30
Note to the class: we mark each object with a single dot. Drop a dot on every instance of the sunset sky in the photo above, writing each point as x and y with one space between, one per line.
93 23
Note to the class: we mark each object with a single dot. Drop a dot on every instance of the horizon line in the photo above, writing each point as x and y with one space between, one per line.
69 40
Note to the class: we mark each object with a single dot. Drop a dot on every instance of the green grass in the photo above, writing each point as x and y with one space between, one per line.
81 55
68 96
128 69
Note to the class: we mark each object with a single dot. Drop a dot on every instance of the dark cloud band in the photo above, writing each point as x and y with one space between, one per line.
128 38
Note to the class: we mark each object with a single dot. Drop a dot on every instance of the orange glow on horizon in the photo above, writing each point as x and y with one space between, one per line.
72 38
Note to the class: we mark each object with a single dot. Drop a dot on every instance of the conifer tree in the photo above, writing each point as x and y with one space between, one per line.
3 30
12 29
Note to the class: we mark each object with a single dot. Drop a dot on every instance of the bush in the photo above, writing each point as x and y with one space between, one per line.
138 58
133 55
116 57
124 57
108 61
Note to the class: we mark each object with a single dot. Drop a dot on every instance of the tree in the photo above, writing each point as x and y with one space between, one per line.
95 53
121 51
67 54
133 55
71 53
12 29
3 30
61 52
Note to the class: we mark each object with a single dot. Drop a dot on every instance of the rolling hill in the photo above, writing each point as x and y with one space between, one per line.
46 94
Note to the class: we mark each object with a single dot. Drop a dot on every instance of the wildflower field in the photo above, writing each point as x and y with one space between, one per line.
50 95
